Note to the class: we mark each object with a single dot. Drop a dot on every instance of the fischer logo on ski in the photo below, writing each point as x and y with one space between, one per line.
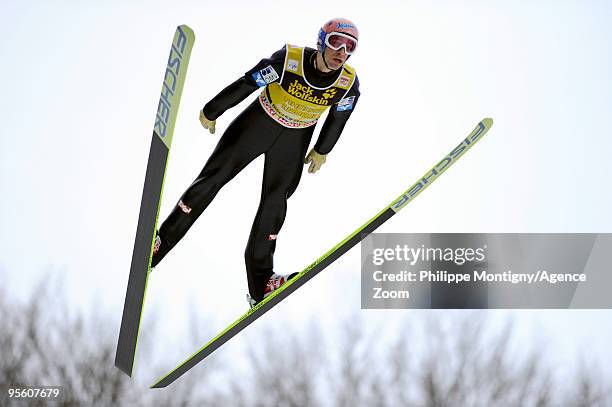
171 80
440 167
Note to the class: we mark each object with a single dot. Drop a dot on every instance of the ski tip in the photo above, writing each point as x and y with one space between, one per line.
187 31
488 122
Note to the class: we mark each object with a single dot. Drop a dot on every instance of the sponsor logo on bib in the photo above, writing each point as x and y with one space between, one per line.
292 65
305 92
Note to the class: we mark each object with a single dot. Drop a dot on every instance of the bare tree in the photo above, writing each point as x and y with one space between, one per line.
43 343
437 358
283 368
443 358
590 390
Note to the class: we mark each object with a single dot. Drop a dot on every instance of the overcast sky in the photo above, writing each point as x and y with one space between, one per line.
81 84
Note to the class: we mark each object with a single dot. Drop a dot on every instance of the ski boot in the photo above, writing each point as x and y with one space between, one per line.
274 283
156 246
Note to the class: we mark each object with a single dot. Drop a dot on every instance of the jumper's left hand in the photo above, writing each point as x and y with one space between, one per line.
315 159
207 124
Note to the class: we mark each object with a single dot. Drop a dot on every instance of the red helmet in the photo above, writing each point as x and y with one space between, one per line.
338 33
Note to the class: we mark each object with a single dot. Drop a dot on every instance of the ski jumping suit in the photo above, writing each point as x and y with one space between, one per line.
279 124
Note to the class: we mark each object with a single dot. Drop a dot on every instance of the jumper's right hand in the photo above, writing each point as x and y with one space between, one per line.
315 159
207 124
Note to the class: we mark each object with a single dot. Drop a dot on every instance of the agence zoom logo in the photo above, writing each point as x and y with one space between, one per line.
438 169
171 78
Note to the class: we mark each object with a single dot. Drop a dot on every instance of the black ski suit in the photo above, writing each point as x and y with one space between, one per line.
250 134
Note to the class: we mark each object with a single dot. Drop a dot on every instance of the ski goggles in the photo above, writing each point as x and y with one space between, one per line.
335 41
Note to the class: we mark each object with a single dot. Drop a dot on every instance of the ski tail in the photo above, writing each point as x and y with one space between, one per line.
167 110
328 258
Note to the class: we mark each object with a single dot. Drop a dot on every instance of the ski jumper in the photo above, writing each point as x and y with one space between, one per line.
279 124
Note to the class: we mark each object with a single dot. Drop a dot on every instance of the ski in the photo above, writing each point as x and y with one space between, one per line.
336 252
167 109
